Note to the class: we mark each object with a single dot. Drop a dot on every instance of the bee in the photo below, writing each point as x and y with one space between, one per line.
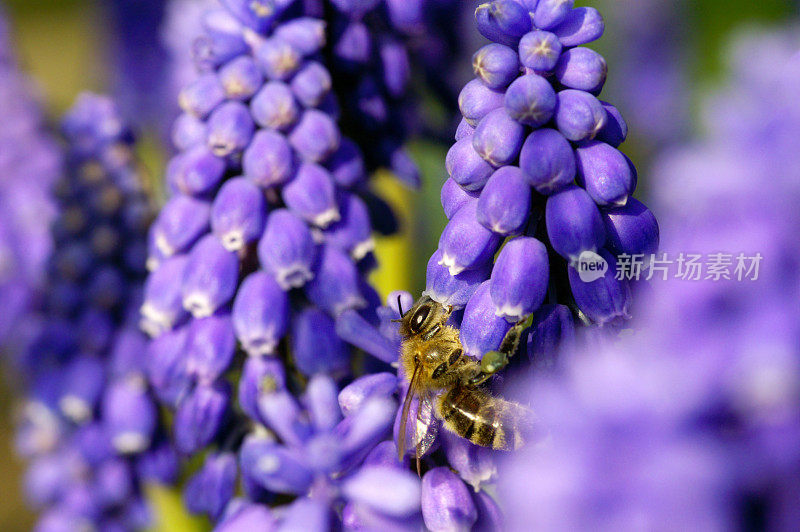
449 383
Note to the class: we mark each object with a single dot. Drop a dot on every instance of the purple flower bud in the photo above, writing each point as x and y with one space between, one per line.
476 100
188 131
199 416
210 348
311 84
503 21
389 490
166 366
446 502
550 13
335 286
316 136
353 233
547 161
321 399
277 58
498 138
250 517
505 201
201 96
539 51
238 213
316 346
490 516
312 195
396 67
281 413
210 277
579 115
465 243
615 130
45 479
496 65
230 129
354 44
223 36
368 425
126 353
482 329
307 514
573 223
474 464
604 172
552 331
454 197
406 15
582 25
260 314
355 330
81 388
159 464
269 159
305 34
631 229
287 250
354 395
163 307
519 278
604 300
274 467
129 415
466 167
464 129
195 172
260 376
274 106
583 69
346 165
113 482
179 224
241 78
355 8
371 103
452 290
210 488
530 100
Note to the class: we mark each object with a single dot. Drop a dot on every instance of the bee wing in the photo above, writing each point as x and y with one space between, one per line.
426 429
402 434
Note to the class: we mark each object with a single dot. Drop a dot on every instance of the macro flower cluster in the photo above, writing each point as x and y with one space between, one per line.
88 425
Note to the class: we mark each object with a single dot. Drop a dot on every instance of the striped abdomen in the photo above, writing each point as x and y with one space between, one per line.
482 419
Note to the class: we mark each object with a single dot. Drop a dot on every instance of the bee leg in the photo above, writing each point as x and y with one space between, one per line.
494 361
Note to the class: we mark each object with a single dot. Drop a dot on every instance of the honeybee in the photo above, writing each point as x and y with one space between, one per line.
448 383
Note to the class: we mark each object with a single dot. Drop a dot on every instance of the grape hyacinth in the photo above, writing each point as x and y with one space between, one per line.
89 425
694 421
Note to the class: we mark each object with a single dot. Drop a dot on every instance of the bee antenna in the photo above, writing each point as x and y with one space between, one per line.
400 306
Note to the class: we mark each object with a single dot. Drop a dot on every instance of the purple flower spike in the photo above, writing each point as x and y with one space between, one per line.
129 415
287 250
354 395
230 129
335 286
311 84
260 314
347 165
503 21
605 173
631 229
269 160
274 467
210 348
446 502
616 129
316 136
496 65
582 25
307 514
474 464
389 490
305 34
202 96
466 167
181 222
81 388
195 172
210 277
552 331
604 300
505 201
519 278
454 197
550 13
277 58
539 51
312 195
464 129
241 78
199 416
316 347
210 489
353 233
573 223
188 131
238 213
579 115
163 303
476 100
166 366
583 69
482 329
465 243
354 329
452 290
274 106
322 402
547 161
498 138
530 100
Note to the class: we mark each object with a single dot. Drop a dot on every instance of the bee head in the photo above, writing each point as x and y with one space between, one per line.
420 317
